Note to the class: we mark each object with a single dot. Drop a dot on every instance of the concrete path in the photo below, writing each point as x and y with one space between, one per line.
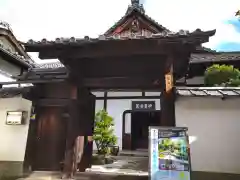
126 168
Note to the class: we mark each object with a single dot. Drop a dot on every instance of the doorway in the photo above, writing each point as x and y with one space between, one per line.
140 121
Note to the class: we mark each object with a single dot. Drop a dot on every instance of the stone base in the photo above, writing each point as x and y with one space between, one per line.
126 176
197 175
11 168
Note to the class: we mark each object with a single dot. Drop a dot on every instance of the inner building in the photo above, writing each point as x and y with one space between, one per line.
133 112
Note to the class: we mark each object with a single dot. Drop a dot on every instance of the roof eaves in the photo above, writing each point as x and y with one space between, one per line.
214 57
50 65
9 34
168 36
222 92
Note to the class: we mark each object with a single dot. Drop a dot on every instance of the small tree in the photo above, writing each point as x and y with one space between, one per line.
222 75
103 132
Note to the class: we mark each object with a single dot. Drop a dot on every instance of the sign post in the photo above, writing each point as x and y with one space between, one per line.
169 153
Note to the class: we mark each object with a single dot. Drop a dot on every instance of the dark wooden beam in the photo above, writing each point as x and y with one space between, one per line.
128 97
122 83
53 102
105 100
115 48
134 66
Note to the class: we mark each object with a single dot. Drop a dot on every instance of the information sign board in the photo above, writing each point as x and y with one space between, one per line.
169 153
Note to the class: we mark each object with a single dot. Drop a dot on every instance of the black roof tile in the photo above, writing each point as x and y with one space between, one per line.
16 57
7 31
182 34
221 92
217 57
50 65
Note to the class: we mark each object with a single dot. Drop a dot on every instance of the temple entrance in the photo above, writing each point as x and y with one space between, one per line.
51 138
132 55
140 121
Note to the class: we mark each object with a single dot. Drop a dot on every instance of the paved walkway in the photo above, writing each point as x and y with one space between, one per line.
124 164
125 167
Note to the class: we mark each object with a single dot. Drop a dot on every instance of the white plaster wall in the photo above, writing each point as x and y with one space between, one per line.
215 124
99 105
13 138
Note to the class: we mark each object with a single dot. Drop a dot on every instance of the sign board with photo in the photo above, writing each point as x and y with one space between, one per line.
169 153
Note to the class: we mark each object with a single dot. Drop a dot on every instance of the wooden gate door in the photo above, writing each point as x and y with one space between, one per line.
51 138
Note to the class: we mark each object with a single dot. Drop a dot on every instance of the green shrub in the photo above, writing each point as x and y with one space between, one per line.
103 132
222 75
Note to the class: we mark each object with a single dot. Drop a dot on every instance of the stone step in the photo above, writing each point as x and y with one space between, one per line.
134 154
85 176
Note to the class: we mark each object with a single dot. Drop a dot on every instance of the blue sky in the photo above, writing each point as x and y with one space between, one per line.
38 19
231 45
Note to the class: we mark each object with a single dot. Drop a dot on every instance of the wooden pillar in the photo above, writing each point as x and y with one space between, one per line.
80 130
72 132
167 100
87 111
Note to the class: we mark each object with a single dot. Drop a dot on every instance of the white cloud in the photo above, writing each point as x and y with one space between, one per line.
37 19
225 33
193 14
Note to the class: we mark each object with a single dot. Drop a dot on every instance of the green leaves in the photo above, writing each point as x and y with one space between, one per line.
104 132
222 75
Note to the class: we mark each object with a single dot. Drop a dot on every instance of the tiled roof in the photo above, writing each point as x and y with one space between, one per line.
169 36
44 74
23 58
202 49
218 57
50 65
16 57
208 91
6 26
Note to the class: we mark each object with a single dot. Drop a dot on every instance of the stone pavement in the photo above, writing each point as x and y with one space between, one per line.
125 167
124 164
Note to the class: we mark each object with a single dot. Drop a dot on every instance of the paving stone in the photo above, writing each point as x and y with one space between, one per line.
125 168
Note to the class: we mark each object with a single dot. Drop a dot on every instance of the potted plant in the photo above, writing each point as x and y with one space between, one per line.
103 133
114 150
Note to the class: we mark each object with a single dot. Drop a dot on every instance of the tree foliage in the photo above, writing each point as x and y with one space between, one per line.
222 75
103 132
